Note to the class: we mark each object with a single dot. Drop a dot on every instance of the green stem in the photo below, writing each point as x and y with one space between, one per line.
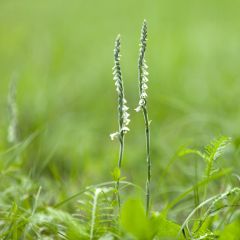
121 141
121 149
208 174
148 181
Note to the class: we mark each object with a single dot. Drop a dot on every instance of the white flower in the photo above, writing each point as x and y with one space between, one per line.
114 136
122 107
142 67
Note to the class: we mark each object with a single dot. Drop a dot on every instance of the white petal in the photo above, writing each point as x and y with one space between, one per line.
144 86
114 135
126 121
143 95
138 109
125 108
145 79
145 72
116 78
125 129
141 102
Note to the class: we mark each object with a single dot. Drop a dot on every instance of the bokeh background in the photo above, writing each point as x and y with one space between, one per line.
62 55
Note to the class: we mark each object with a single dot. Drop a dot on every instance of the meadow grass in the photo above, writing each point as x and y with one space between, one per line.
66 108
91 213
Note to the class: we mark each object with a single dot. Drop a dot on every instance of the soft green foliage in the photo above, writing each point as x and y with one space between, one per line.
213 151
58 224
167 229
116 173
93 215
62 59
231 231
222 205
59 121
135 222
97 213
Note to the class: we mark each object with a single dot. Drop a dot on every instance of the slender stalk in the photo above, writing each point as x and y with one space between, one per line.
121 150
142 106
123 115
93 214
147 133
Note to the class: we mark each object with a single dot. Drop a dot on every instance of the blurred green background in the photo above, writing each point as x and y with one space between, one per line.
62 54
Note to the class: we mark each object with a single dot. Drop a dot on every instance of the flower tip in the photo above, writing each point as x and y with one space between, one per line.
125 129
138 109
118 37
113 136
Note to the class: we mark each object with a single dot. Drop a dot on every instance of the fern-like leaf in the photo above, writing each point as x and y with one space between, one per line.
213 151
97 213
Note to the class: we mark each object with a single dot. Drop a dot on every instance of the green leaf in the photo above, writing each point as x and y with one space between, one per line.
231 231
75 231
166 229
213 151
134 221
116 174
216 147
186 151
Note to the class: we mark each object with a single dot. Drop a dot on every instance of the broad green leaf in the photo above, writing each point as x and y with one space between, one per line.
166 229
134 221
76 231
231 231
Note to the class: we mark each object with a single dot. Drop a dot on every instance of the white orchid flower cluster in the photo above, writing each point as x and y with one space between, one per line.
123 114
142 66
